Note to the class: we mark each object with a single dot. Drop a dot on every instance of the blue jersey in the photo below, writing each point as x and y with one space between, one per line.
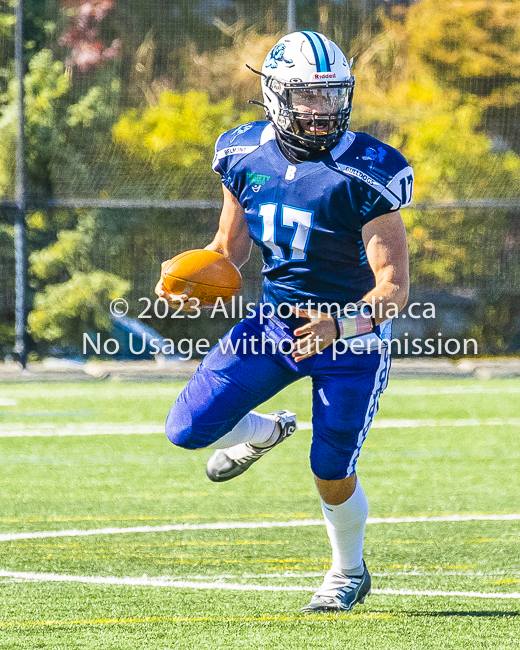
307 217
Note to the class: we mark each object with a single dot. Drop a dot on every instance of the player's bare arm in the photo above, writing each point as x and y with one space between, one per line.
387 253
232 240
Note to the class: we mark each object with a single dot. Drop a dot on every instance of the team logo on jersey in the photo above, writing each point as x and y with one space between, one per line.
239 131
257 181
276 55
374 155
290 173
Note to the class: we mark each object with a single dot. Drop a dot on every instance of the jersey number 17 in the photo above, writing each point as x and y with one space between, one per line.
299 220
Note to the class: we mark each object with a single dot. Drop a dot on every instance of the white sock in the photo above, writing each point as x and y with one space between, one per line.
255 428
346 529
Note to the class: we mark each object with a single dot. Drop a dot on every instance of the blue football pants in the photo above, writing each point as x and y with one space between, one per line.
238 374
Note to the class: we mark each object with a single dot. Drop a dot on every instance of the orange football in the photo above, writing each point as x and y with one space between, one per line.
202 274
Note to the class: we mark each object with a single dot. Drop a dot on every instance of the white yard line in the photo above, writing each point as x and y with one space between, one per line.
49 429
425 518
289 575
239 525
416 424
132 428
231 525
187 584
396 390
456 594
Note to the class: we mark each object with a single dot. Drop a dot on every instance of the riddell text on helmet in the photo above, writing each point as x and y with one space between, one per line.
325 75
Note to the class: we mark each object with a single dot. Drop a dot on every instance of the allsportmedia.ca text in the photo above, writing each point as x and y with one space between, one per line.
187 349
237 308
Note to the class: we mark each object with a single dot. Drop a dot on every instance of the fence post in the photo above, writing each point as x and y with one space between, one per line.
291 16
21 199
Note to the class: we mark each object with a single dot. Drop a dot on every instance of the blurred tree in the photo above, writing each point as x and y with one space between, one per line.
412 95
74 296
176 138
56 125
436 126
82 37
473 45
58 128
224 69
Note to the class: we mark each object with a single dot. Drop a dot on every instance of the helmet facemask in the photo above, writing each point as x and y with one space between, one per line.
312 116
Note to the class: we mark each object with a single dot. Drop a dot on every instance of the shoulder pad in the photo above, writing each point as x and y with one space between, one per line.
378 165
237 143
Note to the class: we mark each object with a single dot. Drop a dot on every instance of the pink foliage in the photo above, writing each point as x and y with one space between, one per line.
82 34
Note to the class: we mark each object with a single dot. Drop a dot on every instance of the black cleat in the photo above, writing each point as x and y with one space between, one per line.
221 467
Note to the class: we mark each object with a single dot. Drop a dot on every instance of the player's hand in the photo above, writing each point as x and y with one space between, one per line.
175 301
171 299
316 335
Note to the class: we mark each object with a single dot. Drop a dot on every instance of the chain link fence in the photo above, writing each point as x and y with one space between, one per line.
123 103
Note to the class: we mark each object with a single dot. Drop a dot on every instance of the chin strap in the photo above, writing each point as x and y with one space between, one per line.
294 152
297 153
261 74
252 101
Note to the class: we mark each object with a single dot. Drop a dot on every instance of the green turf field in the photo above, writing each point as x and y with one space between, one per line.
438 448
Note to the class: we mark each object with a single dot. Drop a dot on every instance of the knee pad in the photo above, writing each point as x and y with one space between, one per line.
179 427
190 430
330 463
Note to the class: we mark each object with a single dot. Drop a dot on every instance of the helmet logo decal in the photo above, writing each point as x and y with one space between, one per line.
276 55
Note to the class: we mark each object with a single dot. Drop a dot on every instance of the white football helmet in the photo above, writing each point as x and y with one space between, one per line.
308 88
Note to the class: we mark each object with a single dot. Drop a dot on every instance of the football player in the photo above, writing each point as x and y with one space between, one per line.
322 203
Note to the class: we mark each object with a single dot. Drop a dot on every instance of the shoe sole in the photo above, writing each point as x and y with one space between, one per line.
243 467
326 608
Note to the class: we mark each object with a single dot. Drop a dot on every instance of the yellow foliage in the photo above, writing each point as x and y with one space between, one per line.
180 131
467 38
409 82
434 126
37 221
224 71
